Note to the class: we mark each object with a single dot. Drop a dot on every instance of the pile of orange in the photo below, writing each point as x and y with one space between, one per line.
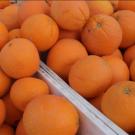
26 31
90 44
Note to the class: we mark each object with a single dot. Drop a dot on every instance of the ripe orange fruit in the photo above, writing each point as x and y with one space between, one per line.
100 7
119 69
69 34
19 58
29 8
15 33
118 104
102 35
64 54
2 112
25 89
83 76
126 20
96 101
75 11
126 5
9 16
129 55
132 70
6 130
117 53
5 83
57 116
4 35
44 25
12 114
20 129
4 3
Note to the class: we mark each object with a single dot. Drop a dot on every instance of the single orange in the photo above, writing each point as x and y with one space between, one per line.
119 68
102 35
43 32
19 58
53 115
70 15
25 89
118 104
90 76
126 19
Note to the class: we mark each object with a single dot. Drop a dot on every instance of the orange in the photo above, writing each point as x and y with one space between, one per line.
119 69
24 90
69 34
2 112
132 70
117 53
20 129
4 3
70 15
96 101
102 35
43 32
9 16
54 116
12 114
6 130
90 76
118 104
100 7
19 58
64 54
5 83
15 33
126 5
29 8
126 20
3 35
129 55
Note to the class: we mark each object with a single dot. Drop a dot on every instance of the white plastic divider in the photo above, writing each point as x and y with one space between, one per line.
92 121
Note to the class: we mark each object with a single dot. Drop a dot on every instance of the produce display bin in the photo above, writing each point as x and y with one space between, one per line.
92 122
